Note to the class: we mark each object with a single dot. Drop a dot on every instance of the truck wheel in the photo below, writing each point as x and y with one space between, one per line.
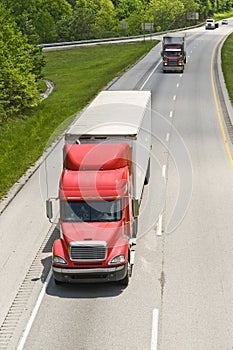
135 228
125 280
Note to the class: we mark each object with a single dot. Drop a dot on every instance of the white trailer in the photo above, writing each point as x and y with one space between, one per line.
115 117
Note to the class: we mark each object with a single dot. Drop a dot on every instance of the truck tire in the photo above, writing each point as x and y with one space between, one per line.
135 228
125 280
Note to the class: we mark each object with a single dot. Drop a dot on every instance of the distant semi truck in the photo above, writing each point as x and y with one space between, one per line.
173 52
106 163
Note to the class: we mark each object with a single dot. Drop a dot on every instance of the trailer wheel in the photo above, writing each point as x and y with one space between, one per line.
135 228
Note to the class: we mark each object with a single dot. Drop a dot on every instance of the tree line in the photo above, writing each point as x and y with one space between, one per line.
26 23
45 21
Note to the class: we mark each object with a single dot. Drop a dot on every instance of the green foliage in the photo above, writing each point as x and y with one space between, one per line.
46 21
227 59
45 26
127 8
104 18
222 15
165 14
18 88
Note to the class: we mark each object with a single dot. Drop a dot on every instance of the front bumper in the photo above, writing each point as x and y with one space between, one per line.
173 68
90 275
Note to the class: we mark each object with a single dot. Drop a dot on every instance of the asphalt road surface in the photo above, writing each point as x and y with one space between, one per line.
180 296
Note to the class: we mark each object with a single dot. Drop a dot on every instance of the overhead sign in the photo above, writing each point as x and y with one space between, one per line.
148 26
192 15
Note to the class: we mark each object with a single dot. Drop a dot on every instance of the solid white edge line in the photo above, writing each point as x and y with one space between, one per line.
159 225
154 335
34 313
150 75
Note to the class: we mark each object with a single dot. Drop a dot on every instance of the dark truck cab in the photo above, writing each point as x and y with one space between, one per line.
173 53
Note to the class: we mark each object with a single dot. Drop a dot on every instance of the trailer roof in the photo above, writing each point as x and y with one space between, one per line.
175 35
113 113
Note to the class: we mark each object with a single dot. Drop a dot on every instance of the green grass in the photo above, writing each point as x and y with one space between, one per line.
78 74
227 59
219 16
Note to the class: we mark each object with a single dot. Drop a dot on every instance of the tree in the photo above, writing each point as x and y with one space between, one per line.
45 26
105 19
165 13
125 8
83 21
42 15
92 19
18 87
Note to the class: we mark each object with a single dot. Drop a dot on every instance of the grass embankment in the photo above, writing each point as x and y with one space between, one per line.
78 74
227 59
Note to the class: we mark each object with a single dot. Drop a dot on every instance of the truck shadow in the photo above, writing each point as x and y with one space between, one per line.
46 262
84 291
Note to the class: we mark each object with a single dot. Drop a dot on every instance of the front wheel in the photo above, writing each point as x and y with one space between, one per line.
125 280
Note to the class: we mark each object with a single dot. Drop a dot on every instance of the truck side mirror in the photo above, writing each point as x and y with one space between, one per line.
49 209
135 208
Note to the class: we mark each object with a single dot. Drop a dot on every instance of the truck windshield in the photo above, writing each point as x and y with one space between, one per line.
91 211
172 53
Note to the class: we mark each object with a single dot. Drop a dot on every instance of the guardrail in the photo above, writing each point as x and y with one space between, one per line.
93 41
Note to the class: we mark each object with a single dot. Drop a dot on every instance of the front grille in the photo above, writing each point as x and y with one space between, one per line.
88 251
172 62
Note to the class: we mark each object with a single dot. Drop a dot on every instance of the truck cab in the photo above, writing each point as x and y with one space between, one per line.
95 214
210 24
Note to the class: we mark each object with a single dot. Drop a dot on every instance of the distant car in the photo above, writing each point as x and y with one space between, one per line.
224 21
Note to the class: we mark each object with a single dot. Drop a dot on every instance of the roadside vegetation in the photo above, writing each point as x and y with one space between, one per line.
222 15
46 21
227 59
78 75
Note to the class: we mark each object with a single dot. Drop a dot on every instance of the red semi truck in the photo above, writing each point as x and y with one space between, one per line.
106 164
173 52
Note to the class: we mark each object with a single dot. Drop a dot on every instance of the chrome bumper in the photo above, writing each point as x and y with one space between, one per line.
90 275
81 271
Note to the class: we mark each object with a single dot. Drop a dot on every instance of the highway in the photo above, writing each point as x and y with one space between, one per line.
180 295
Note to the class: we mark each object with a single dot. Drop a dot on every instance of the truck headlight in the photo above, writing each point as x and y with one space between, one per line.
59 260
118 259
